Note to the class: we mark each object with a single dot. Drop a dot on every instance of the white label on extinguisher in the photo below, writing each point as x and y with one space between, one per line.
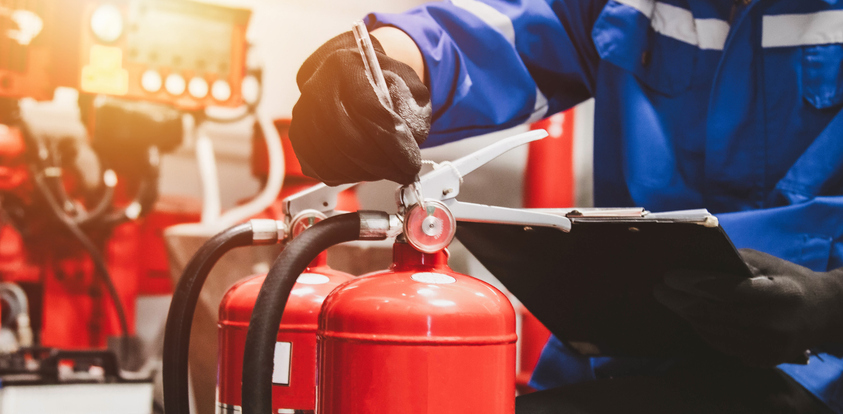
312 279
283 357
435 278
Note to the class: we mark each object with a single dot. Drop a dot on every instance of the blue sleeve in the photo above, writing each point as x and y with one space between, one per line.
808 233
496 64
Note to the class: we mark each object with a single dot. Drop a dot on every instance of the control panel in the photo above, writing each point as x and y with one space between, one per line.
180 52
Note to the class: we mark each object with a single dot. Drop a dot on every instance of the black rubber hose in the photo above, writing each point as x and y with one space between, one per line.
269 307
182 307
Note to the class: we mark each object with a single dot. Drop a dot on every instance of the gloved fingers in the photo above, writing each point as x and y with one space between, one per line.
385 151
414 113
705 284
385 145
775 292
319 158
333 151
415 88
342 132
343 41
769 265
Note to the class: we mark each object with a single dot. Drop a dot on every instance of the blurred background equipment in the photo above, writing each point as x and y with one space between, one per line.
180 52
92 94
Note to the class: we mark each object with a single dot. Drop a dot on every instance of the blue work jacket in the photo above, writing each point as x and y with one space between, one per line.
711 104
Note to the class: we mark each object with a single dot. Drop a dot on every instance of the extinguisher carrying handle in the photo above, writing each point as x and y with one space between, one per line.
443 184
186 296
258 357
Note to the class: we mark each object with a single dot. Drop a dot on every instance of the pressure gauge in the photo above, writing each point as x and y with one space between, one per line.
107 23
430 228
304 221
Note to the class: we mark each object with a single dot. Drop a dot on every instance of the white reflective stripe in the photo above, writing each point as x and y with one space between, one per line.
503 24
712 33
680 24
644 6
674 22
539 109
489 15
802 29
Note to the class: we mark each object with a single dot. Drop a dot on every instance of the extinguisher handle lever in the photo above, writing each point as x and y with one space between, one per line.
444 181
480 213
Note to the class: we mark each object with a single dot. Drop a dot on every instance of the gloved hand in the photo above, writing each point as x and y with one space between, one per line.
342 133
771 318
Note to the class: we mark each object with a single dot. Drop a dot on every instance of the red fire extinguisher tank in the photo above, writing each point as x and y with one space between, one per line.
416 339
294 377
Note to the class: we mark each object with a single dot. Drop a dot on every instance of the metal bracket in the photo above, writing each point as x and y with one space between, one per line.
319 197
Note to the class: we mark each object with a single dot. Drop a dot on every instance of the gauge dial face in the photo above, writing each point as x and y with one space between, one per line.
429 229
304 221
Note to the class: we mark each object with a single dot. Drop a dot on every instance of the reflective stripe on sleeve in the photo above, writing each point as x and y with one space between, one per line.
678 23
489 15
674 22
712 33
644 6
802 29
503 24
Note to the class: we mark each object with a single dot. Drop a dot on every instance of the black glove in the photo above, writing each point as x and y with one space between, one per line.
342 133
771 318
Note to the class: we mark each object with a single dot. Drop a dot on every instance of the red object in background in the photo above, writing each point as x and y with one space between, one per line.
13 171
294 178
155 278
418 338
549 178
296 338
77 312
548 183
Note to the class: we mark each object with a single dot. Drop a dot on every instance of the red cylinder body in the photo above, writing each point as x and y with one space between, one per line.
416 339
294 378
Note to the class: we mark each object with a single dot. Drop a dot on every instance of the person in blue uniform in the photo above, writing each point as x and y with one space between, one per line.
731 105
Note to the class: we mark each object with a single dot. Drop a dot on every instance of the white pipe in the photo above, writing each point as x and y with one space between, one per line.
207 165
273 184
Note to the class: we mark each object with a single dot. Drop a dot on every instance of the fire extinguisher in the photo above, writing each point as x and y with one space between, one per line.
294 376
418 338
295 382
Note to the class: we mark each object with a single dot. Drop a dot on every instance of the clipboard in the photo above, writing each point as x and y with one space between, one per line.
592 287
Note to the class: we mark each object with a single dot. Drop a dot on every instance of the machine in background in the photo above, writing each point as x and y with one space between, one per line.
78 229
